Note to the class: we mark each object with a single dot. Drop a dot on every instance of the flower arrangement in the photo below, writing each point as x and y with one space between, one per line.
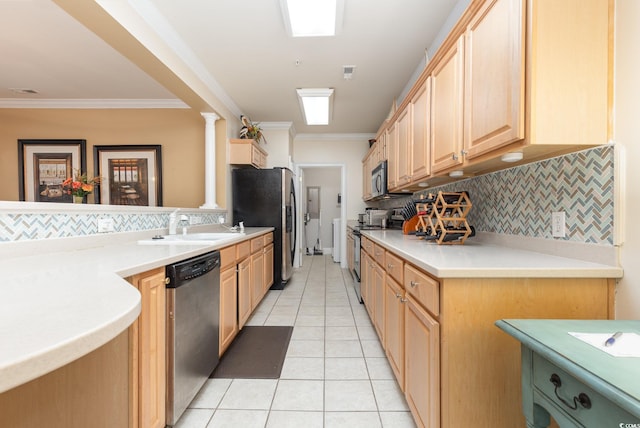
80 185
251 130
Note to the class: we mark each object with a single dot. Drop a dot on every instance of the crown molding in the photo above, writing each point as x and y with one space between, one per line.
92 103
335 137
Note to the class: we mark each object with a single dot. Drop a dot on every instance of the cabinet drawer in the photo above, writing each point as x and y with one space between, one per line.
378 254
256 244
227 256
394 265
423 288
602 411
267 239
243 250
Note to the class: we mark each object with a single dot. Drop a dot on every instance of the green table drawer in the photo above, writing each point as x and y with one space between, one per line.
601 413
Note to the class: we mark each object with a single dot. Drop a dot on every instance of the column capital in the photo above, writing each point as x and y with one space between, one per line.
210 117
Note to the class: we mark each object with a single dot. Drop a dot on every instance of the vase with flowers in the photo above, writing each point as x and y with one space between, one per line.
79 186
251 130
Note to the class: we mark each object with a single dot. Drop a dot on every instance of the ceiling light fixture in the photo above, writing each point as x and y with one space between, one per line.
512 157
316 104
312 18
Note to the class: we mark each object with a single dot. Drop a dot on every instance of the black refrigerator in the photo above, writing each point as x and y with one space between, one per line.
266 197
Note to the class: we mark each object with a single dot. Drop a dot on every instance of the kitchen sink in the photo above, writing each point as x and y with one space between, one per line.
205 238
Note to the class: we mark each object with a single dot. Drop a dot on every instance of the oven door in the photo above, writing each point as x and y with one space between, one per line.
356 264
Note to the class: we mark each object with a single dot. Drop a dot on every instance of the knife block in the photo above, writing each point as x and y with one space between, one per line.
410 225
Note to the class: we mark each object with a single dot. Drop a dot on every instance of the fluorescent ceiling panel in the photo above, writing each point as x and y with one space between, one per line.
316 105
312 18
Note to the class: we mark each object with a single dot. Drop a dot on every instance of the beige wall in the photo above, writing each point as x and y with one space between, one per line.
346 152
627 137
180 132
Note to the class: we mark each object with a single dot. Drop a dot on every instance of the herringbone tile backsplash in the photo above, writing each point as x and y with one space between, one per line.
519 201
27 226
516 201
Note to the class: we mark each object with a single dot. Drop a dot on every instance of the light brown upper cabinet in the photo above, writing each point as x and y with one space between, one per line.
392 156
403 151
447 81
533 76
494 77
420 132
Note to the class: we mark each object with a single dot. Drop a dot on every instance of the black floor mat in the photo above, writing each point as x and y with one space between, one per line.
256 353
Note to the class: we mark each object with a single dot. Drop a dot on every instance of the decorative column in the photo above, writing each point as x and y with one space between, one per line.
210 160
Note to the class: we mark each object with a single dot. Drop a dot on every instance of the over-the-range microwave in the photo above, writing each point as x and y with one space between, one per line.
379 180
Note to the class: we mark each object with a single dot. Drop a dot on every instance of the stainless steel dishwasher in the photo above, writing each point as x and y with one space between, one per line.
193 322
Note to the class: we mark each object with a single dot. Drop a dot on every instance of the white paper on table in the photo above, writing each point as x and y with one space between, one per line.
627 345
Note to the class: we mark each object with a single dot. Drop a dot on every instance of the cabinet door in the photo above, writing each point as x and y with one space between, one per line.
447 108
244 291
228 307
420 132
366 276
152 349
268 268
422 365
392 161
394 328
494 77
257 279
404 150
378 280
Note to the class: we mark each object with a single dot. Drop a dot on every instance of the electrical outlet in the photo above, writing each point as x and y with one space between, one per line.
106 225
195 220
558 224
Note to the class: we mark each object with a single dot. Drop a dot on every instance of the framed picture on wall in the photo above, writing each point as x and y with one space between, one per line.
131 175
45 164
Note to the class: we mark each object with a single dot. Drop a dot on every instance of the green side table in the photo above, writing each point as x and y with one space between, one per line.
573 381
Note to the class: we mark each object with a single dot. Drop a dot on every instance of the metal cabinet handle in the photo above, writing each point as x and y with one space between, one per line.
402 300
463 152
582 398
398 295
413 283
389 266
454 156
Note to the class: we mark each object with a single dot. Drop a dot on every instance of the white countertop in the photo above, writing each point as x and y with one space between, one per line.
480 260
58 306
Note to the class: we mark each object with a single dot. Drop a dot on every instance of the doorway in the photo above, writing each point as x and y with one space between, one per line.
323 187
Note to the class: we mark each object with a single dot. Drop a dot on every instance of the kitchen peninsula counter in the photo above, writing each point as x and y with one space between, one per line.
476 259
60 304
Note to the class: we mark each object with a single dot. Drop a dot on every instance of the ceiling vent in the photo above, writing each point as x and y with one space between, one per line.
347 71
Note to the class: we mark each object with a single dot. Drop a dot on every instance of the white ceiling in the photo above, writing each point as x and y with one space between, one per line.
238 48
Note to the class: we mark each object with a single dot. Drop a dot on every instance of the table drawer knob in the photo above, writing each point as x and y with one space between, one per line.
582 398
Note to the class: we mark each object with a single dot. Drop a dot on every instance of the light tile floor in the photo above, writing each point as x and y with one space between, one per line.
335 373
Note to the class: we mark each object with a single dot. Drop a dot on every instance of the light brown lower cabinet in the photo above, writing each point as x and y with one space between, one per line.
422 364
268 267
228 307
244 292
148 352
257 279
394 328
378 276
455 367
